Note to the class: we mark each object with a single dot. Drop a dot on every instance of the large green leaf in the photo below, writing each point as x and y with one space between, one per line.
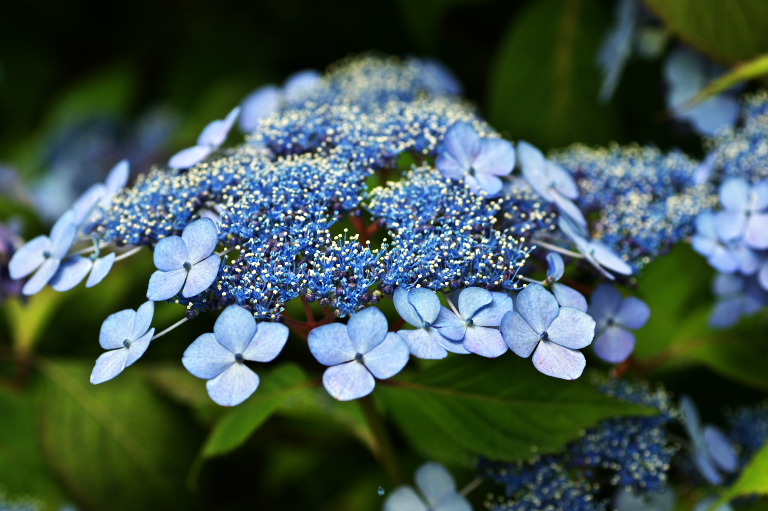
753 480
115 446
502 409
23 471
544 82
756 68
732 30
240 422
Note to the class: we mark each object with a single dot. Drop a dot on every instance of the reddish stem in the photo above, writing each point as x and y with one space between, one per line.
361 228
308 311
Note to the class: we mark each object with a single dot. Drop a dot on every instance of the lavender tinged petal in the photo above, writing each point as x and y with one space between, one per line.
555 266
71 272
496 157
486 342
101 268
720 449
216 132
756 234
569 297
138 347
605 303
463 143
759 198
449 167
189 157
170 254
569 208
109 365
116 180
201 276
707 469
448 344
201 238
267 343
236 384
206 358
489 183
633 313
85 204
407 310
367 329
301 82
259 105
388 358
422 345
435 483
142 320
165 284
691 419
558 362
572 328
116 329
537 306
404 498
734 194
331 345
348 381
730 225
491 315
518 334
426 302
609 259
727 312
614 345
41 277
235 328
29 257
449 325
562 181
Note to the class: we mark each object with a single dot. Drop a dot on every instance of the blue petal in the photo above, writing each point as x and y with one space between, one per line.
189 157
71 272
759 197
170 253
537 306
555 266
491 315
165 284
206 358
614 345
63 235
706 224
609 259
86 203
426 302
727 312
606 301
730 225
101 268
201 276
496 157
449 167
142 320
488 183
706 467
407 310
41 277
454 502
569 297
572 328
388 358
300 83
626 500
448 344
721 449
201 238
559 362
235 328
29 257
268 342
714 114
462 143
348 381
367 329
518 334
116 329
257 106
707 503
109 365
690 417
734 194
435 483
215 133
330 344
236 384
535 169
486 342
138 347
473 299
422 345
633 313
562 181
449 325
568 208
404 498
117 179
756 234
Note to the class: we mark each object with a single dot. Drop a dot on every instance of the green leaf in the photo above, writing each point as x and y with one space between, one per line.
503 409
241 422
114 446
544 83
748 71
753 480
28 320
23 471
730 31
179 385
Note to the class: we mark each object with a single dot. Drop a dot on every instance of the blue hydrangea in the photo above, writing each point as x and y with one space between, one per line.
437 492
566 295
420 307
127 335
210 139
614 317
712 452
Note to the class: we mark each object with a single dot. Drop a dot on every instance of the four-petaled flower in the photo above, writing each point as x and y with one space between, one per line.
127 335
745 212
220 357
475 322
479 162
210 139
556 333
712 451
43 254
185 261
74 269
357 352
420 307
437 487
613 315
597 253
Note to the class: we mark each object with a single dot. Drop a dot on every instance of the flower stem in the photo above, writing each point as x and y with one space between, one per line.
471 486
183 320
555 248
384 452
128 254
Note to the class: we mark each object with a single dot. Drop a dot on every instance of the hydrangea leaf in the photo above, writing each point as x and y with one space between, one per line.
466 406
753 480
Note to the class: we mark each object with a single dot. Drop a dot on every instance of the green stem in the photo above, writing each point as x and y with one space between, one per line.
384 451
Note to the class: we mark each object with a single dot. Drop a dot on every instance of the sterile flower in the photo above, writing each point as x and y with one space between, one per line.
566 295
613 316
712 452
127 335
420 307
210 139
437 492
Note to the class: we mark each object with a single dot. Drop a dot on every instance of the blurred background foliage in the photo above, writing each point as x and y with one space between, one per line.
146 78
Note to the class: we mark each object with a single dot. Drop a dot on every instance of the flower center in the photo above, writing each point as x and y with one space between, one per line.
239 358
424 324
359 357
469 322
46 254
544 336
187 266
127 343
